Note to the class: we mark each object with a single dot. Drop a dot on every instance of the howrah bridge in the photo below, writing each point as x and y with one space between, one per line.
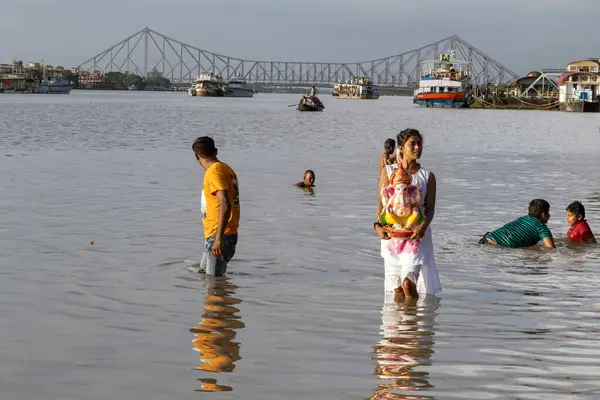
150 52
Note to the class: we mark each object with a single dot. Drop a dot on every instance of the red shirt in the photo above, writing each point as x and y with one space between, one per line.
580 231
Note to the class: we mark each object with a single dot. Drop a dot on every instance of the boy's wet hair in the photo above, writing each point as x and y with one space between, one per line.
205 147
577 209
389 144
309 171
407 134
537 207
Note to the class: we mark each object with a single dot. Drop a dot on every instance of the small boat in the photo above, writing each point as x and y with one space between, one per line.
356 88
238 87
445 83
209 85
310 103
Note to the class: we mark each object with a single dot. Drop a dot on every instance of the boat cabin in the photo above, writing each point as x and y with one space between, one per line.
237 81
210 76
435 86
584 66
447 67
360 80
579 86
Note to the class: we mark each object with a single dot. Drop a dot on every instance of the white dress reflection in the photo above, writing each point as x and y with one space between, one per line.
406 346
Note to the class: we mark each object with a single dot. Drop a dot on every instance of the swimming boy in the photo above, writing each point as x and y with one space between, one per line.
388 156
220 208
309 180
579 230
524 231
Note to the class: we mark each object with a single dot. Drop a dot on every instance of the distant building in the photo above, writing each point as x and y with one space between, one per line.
85 78
543 85
154 75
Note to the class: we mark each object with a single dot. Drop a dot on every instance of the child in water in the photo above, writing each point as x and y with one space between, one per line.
524 231
579 230
309 180
388 156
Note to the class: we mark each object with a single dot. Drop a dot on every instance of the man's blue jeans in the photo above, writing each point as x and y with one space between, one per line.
217 266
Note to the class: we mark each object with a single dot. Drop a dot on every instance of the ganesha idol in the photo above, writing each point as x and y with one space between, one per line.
401 203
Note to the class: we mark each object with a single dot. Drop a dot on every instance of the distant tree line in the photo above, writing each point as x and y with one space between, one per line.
119 80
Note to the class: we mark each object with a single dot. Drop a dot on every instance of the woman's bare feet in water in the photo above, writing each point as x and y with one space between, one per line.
400 299
399 295
409 288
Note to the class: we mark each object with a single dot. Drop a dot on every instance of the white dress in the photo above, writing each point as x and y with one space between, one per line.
419 268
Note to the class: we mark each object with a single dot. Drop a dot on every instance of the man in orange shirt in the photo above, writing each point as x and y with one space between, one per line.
220 208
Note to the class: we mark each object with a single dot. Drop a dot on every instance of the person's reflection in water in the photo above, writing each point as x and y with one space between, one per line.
308 191
407 332
215 332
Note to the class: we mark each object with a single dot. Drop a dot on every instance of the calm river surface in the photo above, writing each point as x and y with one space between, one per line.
301 313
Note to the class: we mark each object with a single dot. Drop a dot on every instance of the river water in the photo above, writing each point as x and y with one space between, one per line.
301 313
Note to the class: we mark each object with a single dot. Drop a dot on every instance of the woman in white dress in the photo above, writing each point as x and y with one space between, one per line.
410 271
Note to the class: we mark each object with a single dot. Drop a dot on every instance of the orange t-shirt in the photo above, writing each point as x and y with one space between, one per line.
219 176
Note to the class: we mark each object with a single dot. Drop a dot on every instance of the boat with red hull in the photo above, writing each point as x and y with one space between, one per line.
445 83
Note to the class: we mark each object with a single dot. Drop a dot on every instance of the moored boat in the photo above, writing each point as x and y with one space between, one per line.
579 87
55 85
535 91
209 85
444 83
310 103
356 88
238 87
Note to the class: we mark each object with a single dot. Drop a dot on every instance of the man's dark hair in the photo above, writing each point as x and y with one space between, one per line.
537 207
389 144
205 147
577 209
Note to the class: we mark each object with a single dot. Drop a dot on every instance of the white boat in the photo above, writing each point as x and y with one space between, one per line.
208 84
238 87
444 83
54 85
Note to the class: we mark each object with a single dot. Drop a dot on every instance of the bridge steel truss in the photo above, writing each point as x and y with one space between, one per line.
148 51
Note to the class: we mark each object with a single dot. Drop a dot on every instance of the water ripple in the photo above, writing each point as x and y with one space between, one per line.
301 313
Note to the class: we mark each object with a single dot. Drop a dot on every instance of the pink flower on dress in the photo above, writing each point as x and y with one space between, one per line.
402 246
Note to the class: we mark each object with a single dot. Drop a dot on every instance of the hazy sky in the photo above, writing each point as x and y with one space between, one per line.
523 35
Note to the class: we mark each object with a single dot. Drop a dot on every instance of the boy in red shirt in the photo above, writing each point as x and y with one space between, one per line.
580 230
